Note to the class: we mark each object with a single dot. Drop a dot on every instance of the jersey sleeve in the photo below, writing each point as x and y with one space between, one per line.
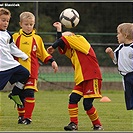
78 43
42 54
17 52
116 53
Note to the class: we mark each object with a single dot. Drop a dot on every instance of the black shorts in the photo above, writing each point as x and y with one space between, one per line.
17 74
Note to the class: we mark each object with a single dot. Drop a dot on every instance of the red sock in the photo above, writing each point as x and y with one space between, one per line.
73 112
29 106
21 111
93 115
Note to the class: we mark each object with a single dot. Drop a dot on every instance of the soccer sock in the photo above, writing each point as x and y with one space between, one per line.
93 115
16 90
21 111
73 112
29 107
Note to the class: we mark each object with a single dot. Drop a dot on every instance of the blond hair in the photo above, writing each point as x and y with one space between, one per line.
25 15
4 11
126 29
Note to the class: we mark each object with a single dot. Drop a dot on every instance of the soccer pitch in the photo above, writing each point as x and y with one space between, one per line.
51 114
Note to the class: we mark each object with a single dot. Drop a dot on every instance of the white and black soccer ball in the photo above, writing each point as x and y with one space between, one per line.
69 18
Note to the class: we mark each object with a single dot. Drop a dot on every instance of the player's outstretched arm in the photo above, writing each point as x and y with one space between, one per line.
110 52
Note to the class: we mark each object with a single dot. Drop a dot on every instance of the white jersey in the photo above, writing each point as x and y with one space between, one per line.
7 50
124 58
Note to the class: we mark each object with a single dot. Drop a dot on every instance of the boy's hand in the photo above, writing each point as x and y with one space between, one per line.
50 50
55 66
108 50
58 26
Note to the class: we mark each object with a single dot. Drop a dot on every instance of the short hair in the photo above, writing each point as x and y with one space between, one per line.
4 11
126 29
25 15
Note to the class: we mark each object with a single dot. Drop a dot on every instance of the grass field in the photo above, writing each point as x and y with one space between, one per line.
50 113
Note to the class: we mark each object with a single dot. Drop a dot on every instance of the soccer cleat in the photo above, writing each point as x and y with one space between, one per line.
20 120
97 128
27 121
15 98
71 127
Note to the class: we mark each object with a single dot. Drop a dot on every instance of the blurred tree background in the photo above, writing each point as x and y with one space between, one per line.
98 21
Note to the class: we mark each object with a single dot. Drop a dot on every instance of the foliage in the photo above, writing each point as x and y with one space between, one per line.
98 22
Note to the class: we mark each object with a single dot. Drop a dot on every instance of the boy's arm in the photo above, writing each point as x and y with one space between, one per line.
17 52
59 42
58 35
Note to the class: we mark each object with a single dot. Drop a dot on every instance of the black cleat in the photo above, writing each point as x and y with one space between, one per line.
20 120
27 121
71 127
97 128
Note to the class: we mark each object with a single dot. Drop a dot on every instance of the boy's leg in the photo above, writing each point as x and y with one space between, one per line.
29 101
73 112
128 90
92 113
29 104
21 108
19 77
4 78
91 91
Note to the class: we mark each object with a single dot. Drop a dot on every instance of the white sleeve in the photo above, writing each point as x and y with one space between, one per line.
115 59
17 52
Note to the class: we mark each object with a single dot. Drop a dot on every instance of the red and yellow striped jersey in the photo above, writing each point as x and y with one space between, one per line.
33 46
83 58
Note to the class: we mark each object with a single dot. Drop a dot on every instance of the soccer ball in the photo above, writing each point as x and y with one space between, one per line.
69 18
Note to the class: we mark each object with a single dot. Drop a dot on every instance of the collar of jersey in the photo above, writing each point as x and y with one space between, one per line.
27 35
126 45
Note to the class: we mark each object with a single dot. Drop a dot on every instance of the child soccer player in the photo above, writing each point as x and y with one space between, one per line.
88 77
10 69
123 57
29 42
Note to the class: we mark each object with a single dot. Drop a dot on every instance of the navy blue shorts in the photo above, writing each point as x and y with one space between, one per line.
128 84
17 74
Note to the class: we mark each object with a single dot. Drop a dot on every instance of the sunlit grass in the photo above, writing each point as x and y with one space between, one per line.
51 114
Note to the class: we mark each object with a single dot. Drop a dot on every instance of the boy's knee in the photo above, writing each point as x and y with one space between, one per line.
87 102
29 93
27 73
74 98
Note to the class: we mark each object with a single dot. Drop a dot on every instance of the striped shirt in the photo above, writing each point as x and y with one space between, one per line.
82 56
124 58
33 46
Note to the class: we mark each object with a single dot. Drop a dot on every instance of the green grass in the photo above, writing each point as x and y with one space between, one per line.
69 77
50 113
